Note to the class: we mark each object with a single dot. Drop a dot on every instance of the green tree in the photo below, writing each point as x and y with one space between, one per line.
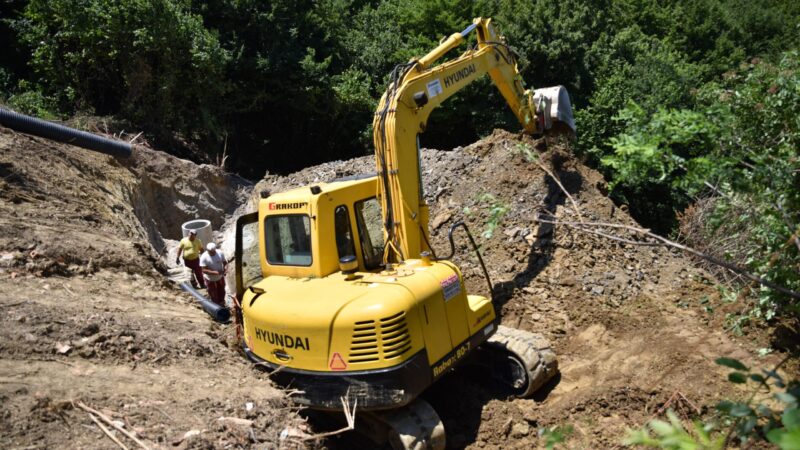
151 61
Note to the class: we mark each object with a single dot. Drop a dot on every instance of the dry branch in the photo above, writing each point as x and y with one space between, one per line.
113 424
107 432
561 186
584 226
349 415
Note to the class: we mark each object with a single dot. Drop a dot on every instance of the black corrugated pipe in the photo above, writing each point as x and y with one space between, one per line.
219 313
60 133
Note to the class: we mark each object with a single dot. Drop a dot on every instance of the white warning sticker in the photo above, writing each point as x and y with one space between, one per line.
450 287
434 88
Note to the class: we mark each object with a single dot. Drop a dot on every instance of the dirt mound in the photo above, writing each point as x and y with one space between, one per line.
66 210
86 316
627 321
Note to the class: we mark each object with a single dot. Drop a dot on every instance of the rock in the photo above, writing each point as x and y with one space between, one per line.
598 290
62 349
89 330
236 421
440 219
512 232
520 430
188 435
568 281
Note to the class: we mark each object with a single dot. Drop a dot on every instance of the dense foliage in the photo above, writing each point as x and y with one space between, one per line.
274 80
740 143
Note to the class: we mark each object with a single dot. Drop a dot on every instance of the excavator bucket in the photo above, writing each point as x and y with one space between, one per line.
553 107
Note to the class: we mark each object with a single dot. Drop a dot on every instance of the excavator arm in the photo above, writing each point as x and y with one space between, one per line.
415 90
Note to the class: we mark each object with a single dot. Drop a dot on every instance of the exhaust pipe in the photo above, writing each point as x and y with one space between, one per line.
220 313
60 133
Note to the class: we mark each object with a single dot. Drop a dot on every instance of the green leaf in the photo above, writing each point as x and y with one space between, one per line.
786 440
757 378
737 377
740 410
786 397
791 418
732 363
725 406
661 428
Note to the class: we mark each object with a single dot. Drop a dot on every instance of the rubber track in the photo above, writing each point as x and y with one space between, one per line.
533 350
415 427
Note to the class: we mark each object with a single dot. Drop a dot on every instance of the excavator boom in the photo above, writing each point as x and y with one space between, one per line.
415 90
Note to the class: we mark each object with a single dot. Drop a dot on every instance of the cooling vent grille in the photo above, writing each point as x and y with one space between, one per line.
386 338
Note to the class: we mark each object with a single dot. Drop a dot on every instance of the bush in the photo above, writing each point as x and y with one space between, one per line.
152 61
740 145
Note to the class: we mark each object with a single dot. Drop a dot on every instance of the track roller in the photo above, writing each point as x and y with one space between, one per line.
415 426
523 360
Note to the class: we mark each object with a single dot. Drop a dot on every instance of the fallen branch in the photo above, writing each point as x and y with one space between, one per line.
677 395
561 186
582 226
273 372
9 305
108 433
113 424
349 415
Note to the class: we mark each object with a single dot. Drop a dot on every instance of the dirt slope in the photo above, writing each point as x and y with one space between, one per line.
88 316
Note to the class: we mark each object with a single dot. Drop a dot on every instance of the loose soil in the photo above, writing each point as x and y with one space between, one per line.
89 315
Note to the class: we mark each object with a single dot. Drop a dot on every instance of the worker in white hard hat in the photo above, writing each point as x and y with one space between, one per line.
191 247
214 266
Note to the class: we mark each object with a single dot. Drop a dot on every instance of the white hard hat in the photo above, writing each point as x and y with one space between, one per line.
211 246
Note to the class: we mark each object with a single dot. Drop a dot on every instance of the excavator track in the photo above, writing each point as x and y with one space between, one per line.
415 426
523 360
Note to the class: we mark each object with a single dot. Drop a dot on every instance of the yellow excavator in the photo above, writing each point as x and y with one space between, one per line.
339 291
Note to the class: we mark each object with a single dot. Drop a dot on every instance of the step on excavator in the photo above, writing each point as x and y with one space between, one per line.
339 292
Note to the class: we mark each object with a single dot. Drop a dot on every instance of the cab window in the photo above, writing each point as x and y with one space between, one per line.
370 231
288 240
344 234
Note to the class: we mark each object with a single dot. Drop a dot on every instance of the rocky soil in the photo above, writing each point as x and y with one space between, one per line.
89 316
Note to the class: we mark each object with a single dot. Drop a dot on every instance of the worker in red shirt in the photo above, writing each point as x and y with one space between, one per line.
214 267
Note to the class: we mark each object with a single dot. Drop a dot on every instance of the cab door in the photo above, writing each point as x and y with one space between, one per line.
247 254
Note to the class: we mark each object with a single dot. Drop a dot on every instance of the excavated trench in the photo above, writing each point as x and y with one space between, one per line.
170 191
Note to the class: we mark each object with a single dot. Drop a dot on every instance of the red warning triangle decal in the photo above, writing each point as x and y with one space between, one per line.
337 363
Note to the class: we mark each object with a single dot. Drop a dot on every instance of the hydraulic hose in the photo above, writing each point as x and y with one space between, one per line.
60 133
220 313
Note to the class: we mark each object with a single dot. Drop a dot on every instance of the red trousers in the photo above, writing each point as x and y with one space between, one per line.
216 290
197 273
